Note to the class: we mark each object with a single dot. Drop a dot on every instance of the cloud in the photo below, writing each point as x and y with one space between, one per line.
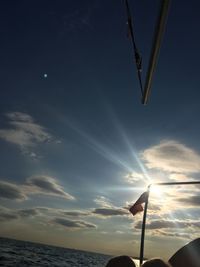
46 185
6 215
43 185
158 224
13 214
173 234
179 177
169 224
103 202
52 212
74 224
28 212
105 212
134 177
11 191
24 132
172 156
119 232
75 213
190 201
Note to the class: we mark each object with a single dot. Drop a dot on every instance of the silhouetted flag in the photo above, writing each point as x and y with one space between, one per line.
137 207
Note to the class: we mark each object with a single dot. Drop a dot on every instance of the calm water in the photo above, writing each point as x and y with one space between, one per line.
20 254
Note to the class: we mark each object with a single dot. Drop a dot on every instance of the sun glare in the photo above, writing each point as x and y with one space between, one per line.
155 191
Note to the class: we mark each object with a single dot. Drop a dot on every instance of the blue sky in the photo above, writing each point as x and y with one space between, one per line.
77 146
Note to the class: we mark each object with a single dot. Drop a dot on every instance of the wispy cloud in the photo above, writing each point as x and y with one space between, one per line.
74 224
169 224
43 185
179 177
7 215
191 201
106 208
134 177
25 213
107 212
45 215
172 156
102 201
173 234
11 191
159 224
98 212
75 213
24 132
46 185
11 214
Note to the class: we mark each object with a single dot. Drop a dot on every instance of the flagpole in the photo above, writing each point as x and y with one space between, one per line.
145 211
143 226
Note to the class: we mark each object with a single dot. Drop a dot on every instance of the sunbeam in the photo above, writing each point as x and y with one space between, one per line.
129 145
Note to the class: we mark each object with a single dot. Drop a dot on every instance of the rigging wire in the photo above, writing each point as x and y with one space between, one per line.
158 35
138 58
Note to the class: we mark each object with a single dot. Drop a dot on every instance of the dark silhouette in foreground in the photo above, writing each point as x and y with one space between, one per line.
187 256
121 261
156 263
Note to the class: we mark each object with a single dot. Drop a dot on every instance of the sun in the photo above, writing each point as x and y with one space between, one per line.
155 191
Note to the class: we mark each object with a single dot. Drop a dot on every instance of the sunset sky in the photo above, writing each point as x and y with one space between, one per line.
77 146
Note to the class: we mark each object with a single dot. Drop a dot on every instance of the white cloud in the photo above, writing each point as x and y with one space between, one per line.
24 131
180 177
119 232
103 202
134 177
171 156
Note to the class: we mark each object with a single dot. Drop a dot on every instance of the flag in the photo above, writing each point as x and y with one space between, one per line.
137 207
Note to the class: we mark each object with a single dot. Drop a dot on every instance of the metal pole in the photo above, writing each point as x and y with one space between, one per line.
145 211
159 31
176 183
143 227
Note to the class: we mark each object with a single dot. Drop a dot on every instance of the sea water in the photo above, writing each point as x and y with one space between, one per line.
20 254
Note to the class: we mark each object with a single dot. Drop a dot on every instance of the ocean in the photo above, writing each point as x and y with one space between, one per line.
20 254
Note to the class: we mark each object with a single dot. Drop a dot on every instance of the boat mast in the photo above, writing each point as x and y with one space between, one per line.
158 34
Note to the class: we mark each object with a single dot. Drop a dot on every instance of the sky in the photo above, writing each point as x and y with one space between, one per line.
77 146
